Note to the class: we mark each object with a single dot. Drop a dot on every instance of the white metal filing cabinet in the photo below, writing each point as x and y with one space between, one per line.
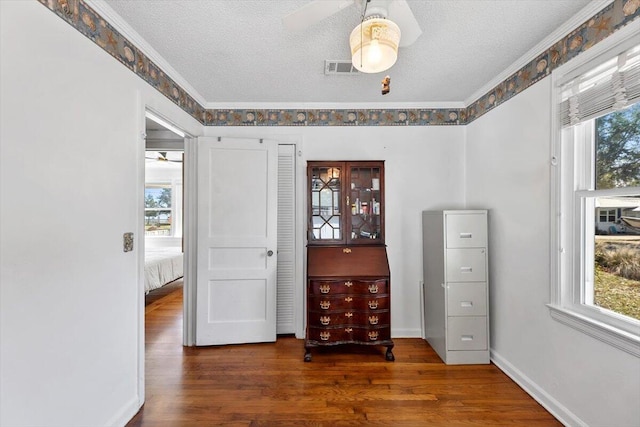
456 291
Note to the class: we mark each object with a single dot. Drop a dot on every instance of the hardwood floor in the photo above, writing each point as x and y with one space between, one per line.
269 384
162 292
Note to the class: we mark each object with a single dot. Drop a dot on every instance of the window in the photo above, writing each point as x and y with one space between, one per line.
157 210
596 198
607 215
163 195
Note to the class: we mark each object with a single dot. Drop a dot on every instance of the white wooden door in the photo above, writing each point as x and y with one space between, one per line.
236 241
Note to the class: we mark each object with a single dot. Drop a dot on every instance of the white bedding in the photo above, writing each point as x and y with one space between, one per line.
161 266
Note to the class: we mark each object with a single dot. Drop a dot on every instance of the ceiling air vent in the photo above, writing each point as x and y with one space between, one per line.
339 67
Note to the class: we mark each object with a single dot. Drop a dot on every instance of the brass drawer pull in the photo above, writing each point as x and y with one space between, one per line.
373 320
324 289
348 299
325 320
325 305
373 304
324 336
348 330
349 315
348 283
346 250
373 335
373 288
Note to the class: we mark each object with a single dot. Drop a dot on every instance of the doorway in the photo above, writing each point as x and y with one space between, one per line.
164 266
163 144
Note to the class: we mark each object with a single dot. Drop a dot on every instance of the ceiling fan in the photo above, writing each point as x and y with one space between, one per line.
385 25
164 156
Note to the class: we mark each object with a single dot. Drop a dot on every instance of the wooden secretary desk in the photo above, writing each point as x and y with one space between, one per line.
348 279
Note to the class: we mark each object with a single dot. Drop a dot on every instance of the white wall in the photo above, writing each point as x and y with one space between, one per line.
71 118
580 379
423 170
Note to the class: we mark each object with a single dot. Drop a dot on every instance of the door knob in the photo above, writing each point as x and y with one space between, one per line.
269 253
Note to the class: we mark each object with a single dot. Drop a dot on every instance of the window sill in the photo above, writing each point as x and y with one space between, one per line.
615 337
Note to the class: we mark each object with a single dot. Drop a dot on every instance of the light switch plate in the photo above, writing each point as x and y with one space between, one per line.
127 239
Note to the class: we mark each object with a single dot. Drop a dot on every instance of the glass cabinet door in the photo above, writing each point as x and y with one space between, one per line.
366 203
326 203
346 202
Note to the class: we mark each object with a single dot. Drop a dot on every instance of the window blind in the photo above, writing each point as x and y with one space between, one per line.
610 86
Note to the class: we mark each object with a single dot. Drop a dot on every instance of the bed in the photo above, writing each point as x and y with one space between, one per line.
162 266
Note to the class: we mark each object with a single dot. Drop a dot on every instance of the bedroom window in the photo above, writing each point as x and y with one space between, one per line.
157 210
163 196
596 198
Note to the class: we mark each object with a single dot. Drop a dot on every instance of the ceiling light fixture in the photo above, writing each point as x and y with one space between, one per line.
374 44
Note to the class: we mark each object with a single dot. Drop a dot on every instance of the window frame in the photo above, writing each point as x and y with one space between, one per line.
176 217
573 207
607 213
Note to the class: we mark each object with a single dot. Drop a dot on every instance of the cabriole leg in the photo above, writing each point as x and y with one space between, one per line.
390 357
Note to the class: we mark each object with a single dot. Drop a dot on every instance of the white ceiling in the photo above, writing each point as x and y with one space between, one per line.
234 52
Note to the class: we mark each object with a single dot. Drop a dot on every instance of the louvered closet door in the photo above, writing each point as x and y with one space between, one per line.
286 239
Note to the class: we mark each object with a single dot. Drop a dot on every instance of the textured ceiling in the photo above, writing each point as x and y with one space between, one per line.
237 51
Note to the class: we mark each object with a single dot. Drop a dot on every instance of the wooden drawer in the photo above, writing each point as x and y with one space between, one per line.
466 230
362 287
466 265
349 334
467 333
359 318
346 302
348 297
467 299
347 262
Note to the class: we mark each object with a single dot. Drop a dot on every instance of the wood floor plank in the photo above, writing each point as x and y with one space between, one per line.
270 384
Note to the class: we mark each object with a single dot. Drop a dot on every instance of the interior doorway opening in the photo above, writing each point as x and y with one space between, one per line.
164 265
166 225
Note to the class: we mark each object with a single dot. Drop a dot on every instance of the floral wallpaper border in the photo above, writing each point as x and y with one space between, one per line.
88 22
332 117
604 23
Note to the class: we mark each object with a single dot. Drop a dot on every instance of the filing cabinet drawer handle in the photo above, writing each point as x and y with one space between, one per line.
466 235
325 289
466 304
466 338
324 336
325 305
325 320
466 269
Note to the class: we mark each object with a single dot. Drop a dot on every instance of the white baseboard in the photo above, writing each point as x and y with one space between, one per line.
406 333
126 413
556 409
